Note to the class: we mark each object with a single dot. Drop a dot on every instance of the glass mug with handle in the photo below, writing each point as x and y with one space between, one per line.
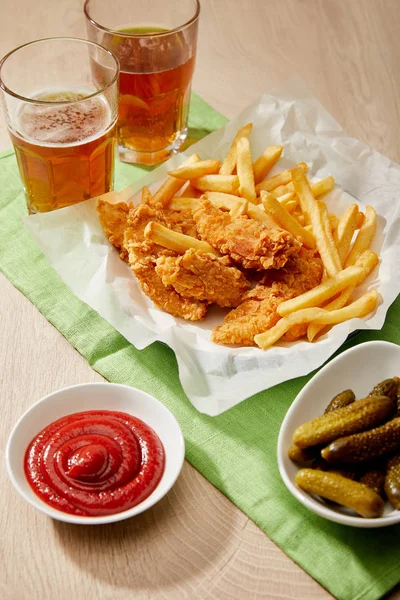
156 47
61 119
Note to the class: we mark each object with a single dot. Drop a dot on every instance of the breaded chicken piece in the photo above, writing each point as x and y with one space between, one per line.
301 273
181 221
114 220
255 314
258 310
203 276
178 220
246 240
142 255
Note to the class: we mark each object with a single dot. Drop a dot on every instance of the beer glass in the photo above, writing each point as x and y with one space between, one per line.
155 43
60 98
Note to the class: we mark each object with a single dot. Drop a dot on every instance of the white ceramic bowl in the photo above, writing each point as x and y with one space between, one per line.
92 396
359 369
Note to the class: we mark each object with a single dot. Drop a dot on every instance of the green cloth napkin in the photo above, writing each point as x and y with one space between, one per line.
235 451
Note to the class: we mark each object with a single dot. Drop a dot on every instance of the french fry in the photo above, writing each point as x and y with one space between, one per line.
268 338
364 236
223 201
313 330
228 184
229 163
240 209
333 220
289 197
244 169
301 219
229 202
295 332
183 203
318 188
173 240
146 195
323 186
282 190
255 212
279 214
360 308
360 220
233 204
322 292
189 191
357 309
324 239
265 162
280 179
171 185
327 225
290 206
304 193
199 169
344 232
367 261
328 229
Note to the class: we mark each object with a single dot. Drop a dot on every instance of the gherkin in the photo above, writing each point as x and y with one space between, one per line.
343 399
388 388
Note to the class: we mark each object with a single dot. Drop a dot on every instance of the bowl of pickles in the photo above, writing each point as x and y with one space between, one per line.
339 444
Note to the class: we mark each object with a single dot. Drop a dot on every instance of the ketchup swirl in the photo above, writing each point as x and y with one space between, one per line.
95 463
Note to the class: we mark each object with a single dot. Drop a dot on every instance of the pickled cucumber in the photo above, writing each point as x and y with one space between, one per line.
343 399
356 417
397 396
388 388
365 446
392 481
352 494
374 479
321 465
302 456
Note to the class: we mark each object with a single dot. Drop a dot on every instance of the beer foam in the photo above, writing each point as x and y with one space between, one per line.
64 124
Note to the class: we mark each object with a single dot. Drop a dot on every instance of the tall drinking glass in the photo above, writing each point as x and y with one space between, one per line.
60 98
155 42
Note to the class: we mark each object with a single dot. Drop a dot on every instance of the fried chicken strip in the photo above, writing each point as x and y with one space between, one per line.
247 241
258 310
203 276
114 220
255 314
142 255
300 274
181 221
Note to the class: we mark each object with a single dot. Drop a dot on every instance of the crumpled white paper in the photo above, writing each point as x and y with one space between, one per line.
215 378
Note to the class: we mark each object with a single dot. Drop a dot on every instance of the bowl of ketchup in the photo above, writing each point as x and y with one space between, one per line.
95 453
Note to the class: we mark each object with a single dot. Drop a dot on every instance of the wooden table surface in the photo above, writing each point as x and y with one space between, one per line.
194 543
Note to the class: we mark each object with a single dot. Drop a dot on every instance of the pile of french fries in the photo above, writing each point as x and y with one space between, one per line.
289 201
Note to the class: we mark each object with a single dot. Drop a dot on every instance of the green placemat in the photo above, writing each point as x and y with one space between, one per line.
235 451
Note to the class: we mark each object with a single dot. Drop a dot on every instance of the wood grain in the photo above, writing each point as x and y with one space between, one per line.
194 543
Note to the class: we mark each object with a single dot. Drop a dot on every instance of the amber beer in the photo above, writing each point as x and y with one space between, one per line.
153 107
61 119
64 152
157 51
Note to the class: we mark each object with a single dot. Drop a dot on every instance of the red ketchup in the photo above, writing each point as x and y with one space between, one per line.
94 463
